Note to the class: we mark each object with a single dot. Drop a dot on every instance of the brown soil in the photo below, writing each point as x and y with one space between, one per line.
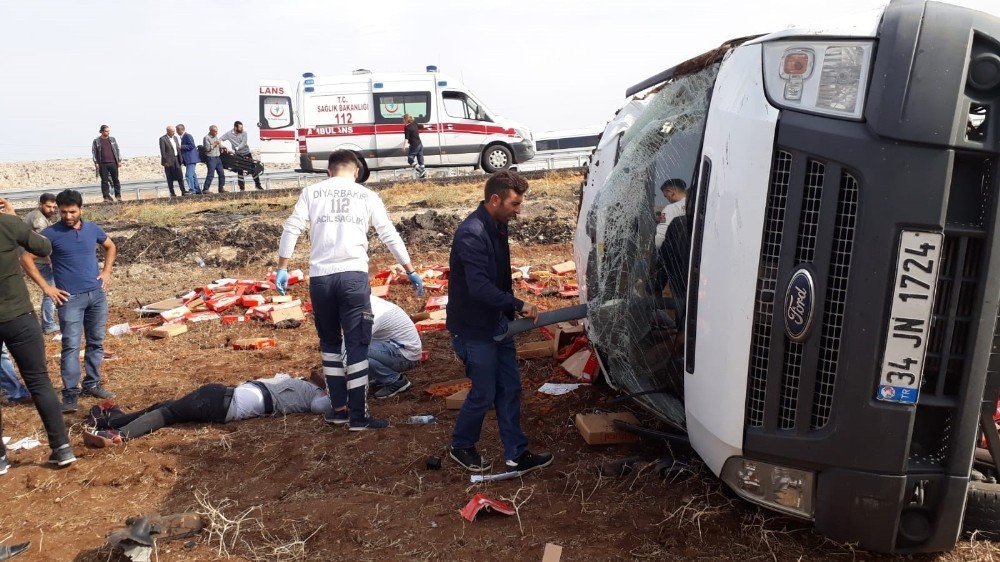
311 491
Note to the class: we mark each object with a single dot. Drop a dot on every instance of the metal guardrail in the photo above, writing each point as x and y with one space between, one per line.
138 190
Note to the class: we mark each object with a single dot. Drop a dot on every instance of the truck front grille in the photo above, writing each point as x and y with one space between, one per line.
798 191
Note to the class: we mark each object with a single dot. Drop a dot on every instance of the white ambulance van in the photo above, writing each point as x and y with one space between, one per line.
363 112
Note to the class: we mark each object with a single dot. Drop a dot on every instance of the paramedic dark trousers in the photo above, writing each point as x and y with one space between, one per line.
342 301
496 381
23 336
239 174
207 403
109 179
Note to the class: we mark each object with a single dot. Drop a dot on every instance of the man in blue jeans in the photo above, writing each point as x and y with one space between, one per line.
480 303
338 212
395 348
190 158
39 219
79 293
10 385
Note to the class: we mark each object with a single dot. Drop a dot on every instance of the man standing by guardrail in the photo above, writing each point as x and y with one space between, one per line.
213 159
170 158
238 138
41 218
190 157
107 160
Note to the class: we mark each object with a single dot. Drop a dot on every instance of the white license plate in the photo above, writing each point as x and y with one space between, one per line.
910 320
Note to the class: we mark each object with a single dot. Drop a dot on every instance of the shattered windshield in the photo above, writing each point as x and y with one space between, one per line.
637 282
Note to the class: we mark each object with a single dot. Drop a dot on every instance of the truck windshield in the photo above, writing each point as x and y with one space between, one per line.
638 287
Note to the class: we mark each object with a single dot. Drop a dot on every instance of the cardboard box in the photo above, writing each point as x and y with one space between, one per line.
233 318
254 343
599 429
552 553
277 299
250 301
455 401
292 313
445 388
160 306
175 313
223 303
564 267
168 330
205 316
380 291
535 350
430 325
436 303
582 365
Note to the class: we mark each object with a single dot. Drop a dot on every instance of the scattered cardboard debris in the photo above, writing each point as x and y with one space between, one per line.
287 313
276 299
552 553
254 343
168 330
582 365
446 388
564 268
535 350
599 429
454 401
482 501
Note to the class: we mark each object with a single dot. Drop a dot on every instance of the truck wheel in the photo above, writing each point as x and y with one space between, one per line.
496 158
982 510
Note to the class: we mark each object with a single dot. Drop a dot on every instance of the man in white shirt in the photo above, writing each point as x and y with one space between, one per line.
395 348
675 191
338 212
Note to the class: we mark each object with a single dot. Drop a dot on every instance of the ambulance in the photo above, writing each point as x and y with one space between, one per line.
363 112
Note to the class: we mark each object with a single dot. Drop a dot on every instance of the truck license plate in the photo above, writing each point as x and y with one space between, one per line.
910 320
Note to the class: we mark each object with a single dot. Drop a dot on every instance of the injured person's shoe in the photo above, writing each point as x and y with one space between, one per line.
101 439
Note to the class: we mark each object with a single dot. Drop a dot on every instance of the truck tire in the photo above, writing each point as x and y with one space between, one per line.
982 510
496 157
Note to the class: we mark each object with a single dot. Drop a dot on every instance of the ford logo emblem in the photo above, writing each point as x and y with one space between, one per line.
800 303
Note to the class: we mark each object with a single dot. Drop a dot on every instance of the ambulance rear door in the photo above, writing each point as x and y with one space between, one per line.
276 121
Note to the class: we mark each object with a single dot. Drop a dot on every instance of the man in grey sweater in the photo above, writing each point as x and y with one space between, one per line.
280 394
213 154
238 138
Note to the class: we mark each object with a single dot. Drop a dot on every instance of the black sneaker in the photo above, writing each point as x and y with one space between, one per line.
63 456
4 465
529 461
336 417
69 404
392 389
366 424
98 391
470 459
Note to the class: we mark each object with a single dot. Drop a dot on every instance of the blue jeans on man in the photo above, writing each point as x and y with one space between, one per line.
191 177
386 362
214 166
82 314
342 311
416 153
10 384
496 381
50 323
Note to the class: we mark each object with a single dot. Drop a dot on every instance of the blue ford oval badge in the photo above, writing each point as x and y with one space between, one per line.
800 302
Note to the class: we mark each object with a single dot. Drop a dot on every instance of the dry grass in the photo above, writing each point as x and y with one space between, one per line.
562 185
178 213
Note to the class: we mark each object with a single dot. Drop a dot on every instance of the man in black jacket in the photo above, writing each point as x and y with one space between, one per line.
480 303
21 332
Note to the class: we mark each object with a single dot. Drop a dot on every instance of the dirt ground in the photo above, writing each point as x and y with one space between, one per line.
294 488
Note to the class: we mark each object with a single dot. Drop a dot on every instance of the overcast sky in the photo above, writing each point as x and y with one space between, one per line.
69 66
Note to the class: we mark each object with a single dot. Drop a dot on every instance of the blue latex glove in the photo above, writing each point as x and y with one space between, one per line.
417 282
281 281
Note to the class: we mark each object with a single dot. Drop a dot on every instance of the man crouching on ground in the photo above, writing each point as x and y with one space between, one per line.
480 303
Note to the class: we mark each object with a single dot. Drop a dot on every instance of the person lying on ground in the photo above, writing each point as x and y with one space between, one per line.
218 403
22 334
395 348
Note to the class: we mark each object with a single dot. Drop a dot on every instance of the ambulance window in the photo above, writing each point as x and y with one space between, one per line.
461 106
392 107
275 112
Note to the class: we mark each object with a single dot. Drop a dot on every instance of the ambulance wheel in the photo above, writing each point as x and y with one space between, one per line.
364 172
982 510
496 158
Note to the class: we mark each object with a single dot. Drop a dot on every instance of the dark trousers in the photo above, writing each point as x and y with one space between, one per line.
415 153
342 301
207 403
109 179
173 174
214 167
496 381
239 174
23 337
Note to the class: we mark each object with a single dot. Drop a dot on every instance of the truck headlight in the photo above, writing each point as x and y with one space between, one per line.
829 77
788 490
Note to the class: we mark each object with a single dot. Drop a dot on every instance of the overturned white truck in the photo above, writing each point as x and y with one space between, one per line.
822 323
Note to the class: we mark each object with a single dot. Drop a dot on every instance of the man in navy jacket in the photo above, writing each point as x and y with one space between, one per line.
480 303
190 157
